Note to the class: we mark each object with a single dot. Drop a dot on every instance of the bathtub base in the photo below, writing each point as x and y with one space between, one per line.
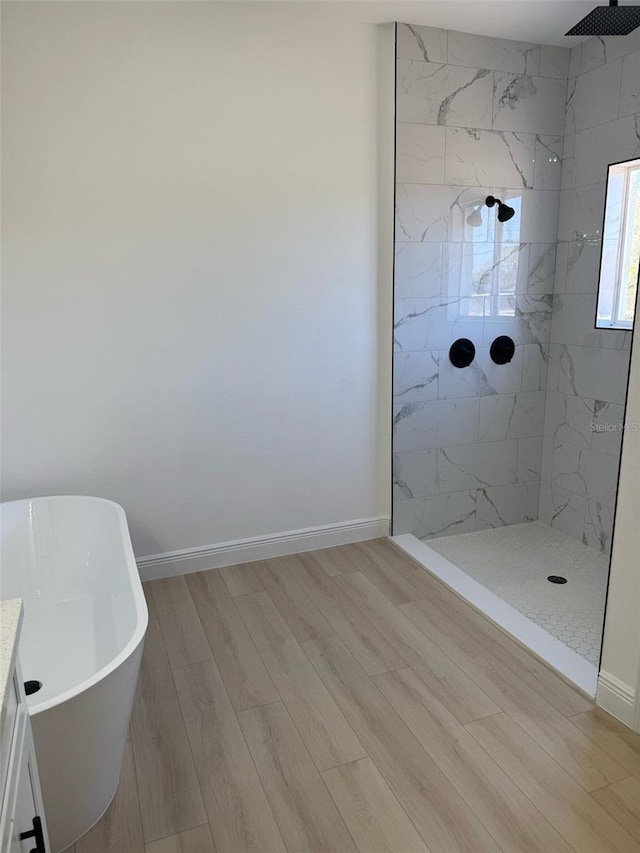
97 820
79 746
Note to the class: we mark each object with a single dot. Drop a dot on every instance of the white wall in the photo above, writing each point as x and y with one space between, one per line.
619 687
191 271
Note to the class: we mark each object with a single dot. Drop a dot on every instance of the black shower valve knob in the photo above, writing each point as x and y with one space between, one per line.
462 352
502 350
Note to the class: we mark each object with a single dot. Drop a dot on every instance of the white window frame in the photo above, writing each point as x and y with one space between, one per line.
611 310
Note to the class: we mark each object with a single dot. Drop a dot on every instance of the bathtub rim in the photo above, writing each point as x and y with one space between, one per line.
142 611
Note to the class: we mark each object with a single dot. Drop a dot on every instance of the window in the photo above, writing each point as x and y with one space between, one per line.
620 261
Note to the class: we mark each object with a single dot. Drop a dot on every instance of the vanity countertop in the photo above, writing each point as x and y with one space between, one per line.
10 620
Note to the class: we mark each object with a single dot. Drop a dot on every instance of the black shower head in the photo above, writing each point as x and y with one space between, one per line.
505 213
611 20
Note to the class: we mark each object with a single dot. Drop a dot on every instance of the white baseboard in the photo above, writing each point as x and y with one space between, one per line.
617 698
260 548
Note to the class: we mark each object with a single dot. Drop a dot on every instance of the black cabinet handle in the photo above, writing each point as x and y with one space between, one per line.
37 835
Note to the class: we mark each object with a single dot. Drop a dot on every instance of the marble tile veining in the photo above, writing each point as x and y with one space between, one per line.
437 423
475 466
514 503
418 270
415 376
568 418
548 162
598 527
528 104
430 93
415 474
485 269
509 416
601 50
494 53
529 465
585 472
597 147
608 427
427 44
438 515
434 323
420 153
490 157
430 213
554 61
529 323
578 266
592 97
541 269
598 374
535 366
630 86
581 212
561 509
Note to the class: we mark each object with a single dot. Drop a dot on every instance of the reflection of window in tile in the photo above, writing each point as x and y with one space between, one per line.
620 260
488 271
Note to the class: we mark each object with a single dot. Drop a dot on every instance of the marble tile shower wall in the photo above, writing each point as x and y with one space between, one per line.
475 116
588 369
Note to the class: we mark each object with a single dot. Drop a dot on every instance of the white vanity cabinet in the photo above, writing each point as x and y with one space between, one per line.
23 827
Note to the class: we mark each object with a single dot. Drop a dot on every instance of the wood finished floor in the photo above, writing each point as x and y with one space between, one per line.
345 700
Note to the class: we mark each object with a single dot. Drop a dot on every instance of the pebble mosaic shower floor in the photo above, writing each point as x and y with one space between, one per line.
514 562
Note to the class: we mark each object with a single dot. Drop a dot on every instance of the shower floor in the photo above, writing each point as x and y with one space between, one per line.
514 562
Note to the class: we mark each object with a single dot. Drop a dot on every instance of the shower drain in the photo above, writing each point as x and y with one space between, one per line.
32 687
556 579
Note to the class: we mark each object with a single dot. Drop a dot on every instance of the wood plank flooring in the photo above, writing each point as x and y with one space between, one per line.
345 701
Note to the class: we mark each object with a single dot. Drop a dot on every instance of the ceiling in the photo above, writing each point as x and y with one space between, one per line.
538 21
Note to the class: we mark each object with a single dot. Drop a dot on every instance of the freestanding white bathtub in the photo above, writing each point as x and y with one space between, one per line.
70 560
